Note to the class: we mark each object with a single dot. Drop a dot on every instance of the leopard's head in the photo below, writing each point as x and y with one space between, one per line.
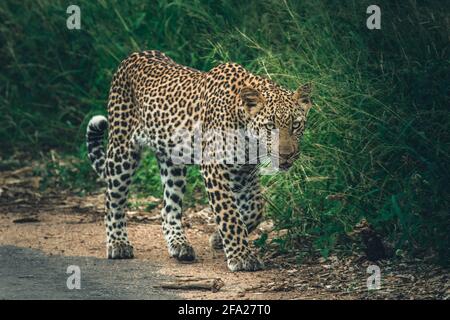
280 116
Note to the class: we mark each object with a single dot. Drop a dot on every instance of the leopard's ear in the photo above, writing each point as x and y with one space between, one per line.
303 96
252 99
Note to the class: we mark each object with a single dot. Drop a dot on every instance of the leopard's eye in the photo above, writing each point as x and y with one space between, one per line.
270 126
296 125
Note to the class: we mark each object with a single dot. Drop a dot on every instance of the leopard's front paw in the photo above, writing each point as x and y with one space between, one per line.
182 252
215 241
245 262
120 250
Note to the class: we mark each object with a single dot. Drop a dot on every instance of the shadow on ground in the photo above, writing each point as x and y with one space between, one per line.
31 274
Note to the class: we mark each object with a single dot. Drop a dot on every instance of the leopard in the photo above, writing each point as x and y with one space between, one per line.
151 97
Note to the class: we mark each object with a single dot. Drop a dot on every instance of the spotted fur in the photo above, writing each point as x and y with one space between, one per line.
152 96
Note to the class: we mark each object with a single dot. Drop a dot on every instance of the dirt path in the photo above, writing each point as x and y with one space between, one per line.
71 228
66 226
31 274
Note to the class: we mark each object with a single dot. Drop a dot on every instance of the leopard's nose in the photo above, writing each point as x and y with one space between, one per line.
288 151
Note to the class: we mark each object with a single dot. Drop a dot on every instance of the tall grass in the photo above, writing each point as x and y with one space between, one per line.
377 142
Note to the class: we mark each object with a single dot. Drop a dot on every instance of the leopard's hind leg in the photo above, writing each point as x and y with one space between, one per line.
121 164
173 178
121 161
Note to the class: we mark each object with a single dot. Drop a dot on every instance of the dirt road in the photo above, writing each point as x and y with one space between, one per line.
72 227
43 233
31 274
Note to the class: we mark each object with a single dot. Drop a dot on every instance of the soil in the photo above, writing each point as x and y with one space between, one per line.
58 228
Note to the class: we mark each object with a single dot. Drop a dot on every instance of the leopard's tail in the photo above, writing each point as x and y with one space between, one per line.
94 141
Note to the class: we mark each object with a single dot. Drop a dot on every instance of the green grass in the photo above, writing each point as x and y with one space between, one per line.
377 142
